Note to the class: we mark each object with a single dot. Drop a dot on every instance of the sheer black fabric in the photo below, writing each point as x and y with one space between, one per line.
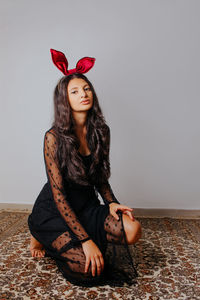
106 193
59 195
64 216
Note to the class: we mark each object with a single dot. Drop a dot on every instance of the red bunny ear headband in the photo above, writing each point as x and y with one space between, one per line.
60 61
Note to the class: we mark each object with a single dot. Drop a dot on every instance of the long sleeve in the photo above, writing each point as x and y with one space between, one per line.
106 193
59 194
105 189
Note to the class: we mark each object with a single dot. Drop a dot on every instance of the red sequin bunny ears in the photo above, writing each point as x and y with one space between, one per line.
60 61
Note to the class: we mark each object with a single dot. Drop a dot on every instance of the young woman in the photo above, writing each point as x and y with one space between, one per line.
68 222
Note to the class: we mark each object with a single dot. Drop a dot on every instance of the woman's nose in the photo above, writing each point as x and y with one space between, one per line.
83 93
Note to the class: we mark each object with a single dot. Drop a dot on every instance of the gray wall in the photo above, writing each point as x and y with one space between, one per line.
146 76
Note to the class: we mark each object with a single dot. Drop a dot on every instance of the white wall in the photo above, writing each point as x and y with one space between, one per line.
146 76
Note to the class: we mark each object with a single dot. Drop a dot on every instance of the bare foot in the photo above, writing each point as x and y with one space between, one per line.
37 249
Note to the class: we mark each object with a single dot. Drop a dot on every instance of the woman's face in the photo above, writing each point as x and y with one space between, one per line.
79 90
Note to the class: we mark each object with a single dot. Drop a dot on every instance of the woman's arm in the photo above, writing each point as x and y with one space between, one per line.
92 253
106 193
105 189
55 178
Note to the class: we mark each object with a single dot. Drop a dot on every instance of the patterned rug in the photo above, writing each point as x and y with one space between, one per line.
167 258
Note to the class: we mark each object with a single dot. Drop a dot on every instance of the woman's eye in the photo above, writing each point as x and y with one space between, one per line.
74 92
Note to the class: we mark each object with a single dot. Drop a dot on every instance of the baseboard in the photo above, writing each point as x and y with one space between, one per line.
16 207
170 213
137 212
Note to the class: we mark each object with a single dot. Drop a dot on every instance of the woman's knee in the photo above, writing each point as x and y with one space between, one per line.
113 227
76 260
132 229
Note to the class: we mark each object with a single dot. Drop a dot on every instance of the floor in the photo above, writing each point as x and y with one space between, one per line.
167 259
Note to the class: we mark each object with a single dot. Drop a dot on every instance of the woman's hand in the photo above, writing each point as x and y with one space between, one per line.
93 255
114 207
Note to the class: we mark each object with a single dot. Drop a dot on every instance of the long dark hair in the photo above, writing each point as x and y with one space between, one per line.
98 137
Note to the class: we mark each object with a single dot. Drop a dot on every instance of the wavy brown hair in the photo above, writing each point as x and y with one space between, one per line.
97 136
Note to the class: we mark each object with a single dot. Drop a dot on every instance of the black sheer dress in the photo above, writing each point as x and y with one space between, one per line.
66 214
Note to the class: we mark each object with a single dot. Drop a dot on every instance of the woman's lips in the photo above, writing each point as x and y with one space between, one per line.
85 101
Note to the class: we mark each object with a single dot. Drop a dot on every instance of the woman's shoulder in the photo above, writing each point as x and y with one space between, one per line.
51 131
106 129
50 135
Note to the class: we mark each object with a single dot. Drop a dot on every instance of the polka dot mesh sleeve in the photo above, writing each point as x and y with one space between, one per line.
105 189
106 193
55 178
